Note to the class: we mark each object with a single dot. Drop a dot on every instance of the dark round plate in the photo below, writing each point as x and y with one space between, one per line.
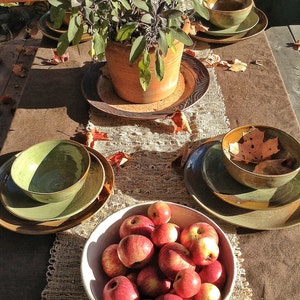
258 28
269 219
195 76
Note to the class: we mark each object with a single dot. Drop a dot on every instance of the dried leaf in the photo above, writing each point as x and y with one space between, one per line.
118 159
190 52
274 166
180 122
57 59
7 99
238 66
30 50
253 148
212 60
198 26
179 162
95 135
18 70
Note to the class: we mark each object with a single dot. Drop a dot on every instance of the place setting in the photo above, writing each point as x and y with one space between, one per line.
232 191
225 22
53 186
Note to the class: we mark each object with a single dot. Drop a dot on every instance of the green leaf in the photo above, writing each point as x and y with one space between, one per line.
141 4
63 44
200 9
125 4
163 43
137 48
99 45
146 18
171 14
73 28
145 74
56 16
78 35
181 36
126 31
159 66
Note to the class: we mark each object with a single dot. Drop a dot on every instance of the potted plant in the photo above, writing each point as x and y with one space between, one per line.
144 32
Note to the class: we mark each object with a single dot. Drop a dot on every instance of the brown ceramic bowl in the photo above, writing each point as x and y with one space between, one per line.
228 13
243 173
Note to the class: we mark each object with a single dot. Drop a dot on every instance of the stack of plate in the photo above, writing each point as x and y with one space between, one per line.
254 24
209 183
20 213
49 31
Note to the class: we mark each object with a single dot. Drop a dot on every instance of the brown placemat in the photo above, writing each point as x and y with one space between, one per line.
149 175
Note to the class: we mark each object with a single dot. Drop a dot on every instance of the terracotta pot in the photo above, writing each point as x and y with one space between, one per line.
125 76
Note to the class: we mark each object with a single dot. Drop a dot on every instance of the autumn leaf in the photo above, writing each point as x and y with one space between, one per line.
180 122
190 52
274 166
93 135
18 70
7 99
27 50
238 66
253 148
118 159
57 59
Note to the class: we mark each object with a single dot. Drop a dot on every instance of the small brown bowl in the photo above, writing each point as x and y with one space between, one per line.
228 13
243 172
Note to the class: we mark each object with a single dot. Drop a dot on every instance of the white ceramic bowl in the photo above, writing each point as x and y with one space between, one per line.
107 232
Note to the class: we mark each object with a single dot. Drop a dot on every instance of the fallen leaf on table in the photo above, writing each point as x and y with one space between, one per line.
212 60
7 99
57 59
297 45
253 148
238 66
28 50
18 70
118 159
198 26
180 122
95 135
179 162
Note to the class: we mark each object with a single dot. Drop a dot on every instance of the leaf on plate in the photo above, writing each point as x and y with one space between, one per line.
238 66
274 166
7 99
118 159
198 27
180 122
57 59
253 148
93 135
18 70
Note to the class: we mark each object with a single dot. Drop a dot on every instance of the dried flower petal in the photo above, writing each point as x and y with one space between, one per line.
238 66
95 135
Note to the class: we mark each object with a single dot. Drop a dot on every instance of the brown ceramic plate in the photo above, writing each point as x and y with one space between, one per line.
193 84
13 223
284 216
258 28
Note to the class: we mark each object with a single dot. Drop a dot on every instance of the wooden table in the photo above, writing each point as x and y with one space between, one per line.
57 112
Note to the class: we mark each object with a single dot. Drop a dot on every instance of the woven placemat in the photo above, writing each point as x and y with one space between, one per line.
148 175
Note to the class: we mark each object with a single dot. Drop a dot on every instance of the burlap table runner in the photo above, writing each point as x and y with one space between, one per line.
149 175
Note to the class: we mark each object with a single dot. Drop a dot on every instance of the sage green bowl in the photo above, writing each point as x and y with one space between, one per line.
52 171
243 173
228 13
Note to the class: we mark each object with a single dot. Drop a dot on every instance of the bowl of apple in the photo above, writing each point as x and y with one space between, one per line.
158 250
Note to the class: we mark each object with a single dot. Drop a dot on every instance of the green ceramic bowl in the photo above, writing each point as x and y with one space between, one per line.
228 13
243 173
52 171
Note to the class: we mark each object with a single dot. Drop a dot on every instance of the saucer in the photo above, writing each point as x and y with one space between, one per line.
245 26
15 224
22 206
274 218
258 28
229 190
99 92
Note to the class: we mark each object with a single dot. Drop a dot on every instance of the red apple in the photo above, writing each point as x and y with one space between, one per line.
136 224
152 282
213 273
196 231
208 291
111 264
159 212
187 283
204 251
120 287
135 251
172 258
165 233
169 296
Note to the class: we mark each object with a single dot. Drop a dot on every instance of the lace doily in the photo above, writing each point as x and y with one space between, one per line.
149 175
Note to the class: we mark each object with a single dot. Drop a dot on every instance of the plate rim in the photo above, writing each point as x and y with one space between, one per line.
235 211
90 93
257 29
15 224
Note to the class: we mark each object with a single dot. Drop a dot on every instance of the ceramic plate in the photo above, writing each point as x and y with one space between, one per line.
229 190
52 34
258 28
269 219
98 91
13 223
249 23
22 206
